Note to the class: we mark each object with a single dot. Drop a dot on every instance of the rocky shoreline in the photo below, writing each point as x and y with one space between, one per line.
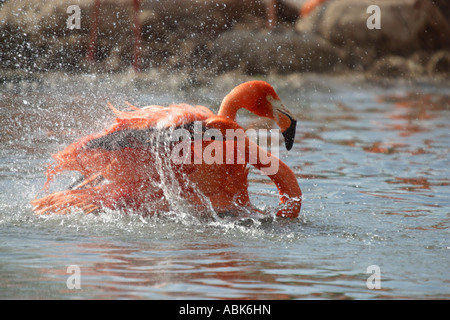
207 38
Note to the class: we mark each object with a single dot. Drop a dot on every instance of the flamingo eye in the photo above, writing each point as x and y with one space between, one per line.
272 99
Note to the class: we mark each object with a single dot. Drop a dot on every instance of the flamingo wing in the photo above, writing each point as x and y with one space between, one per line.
118 163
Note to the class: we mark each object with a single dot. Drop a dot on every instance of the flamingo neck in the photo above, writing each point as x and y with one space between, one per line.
228 110
232 103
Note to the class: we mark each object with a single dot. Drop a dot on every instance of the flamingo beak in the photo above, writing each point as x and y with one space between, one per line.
289 135
286 121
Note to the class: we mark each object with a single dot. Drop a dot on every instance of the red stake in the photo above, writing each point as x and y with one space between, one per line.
137 36
94 31
272 14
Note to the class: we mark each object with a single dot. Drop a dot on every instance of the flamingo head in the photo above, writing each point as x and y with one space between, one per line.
260 98
284 118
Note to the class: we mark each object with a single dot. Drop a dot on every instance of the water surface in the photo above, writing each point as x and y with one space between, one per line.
372 161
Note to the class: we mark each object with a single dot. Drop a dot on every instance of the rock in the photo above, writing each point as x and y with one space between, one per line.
287 11
34 33
42 27
406 25
259 52
195 36
295 4
444 6
395 67
439 63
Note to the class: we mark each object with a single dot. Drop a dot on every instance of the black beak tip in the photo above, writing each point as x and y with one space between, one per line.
289 135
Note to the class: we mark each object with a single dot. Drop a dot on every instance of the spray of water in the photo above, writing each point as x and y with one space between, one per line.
170 183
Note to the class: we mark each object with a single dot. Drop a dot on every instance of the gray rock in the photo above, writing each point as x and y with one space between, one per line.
439 63
406 25
396 67
259 52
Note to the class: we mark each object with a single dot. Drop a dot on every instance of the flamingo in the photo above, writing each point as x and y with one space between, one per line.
309 6
129 164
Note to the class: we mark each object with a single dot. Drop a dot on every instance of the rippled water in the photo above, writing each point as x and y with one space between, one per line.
372 161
